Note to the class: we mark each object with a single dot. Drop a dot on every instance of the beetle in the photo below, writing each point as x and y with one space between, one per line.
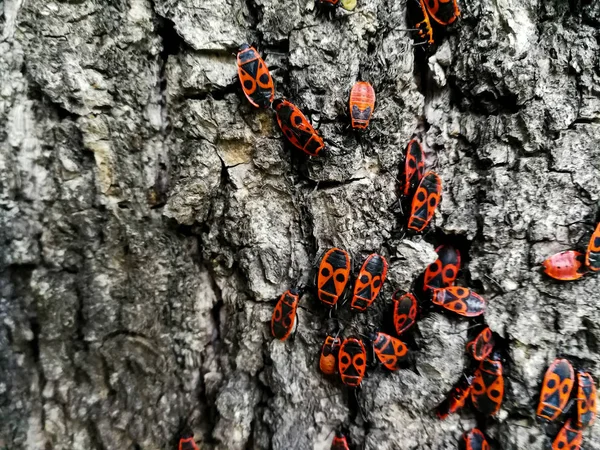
459 300
444 12
474 440
333 275
352 361
297 129
370 279
566 266
361 104
390 351
556 390
340 442
568 438
456 399
329 355
255 77
482 344
187 443
487 391
444 270
405 311
414 167
284 314
586 400
592 255
425 201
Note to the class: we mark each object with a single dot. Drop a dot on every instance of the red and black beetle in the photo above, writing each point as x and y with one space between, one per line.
556 390
442 12
390 351
329 355
333 275
586 400
352 361
297 129
255 77
566 266
456 399
362 104
414 167
340 442
405 311
487 390
592 255
284 314
460 300
474 440
425 201
369 281
482 344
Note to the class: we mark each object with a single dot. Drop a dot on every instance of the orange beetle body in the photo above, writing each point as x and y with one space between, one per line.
565 266
362 103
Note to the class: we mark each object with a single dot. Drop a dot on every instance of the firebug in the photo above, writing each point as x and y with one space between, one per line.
405 311
369 281
459 300
329 355
255 77
592 255
362 103
414 167
333 275
390 351
556 389
474 440
284 314
425 202
456 399
487 391
567 265
482 344
568 438
352 361
586 400
297 129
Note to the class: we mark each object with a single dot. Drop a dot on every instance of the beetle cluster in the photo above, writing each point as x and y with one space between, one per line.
483 380
334 284
348 356
259 89
570 396
572 264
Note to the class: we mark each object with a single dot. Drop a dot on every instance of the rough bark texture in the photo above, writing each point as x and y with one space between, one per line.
149 215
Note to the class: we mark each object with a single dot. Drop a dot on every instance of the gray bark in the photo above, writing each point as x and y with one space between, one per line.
149 215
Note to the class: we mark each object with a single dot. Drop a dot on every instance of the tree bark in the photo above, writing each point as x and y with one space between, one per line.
150 215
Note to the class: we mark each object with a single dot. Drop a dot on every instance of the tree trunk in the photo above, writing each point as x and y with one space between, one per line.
150 215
